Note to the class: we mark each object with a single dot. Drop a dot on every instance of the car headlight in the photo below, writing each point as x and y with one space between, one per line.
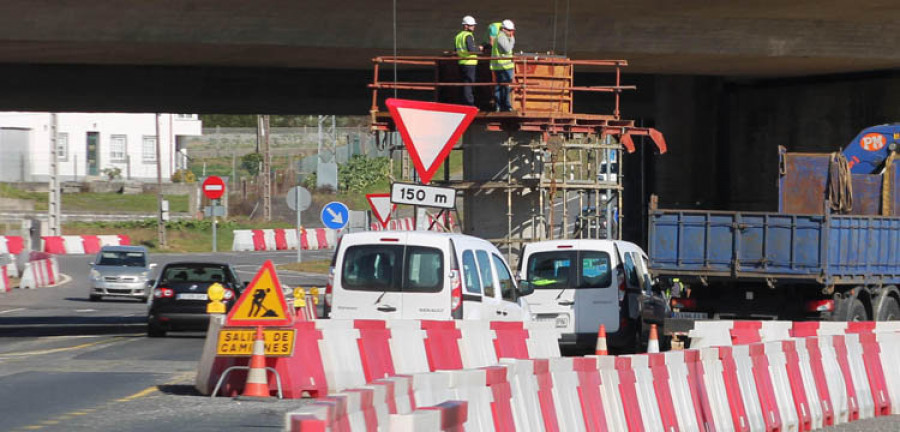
562 321
145 274
95 274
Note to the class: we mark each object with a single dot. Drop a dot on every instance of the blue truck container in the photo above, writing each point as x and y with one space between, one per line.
776 266
802 262
775 247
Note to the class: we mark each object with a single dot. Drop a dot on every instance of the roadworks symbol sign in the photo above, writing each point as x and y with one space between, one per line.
262 303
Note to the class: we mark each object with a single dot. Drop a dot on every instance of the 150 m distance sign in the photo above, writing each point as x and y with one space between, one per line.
425 196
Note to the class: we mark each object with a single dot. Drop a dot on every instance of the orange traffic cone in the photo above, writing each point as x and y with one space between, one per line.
653 343
601 341
257 386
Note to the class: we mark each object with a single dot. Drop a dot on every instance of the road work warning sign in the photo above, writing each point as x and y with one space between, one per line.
239 342
262 303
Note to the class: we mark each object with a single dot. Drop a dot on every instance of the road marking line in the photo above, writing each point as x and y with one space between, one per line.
11 310
55 350
139 394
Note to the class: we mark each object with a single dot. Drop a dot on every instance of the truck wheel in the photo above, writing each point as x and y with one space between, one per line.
857 311
890 311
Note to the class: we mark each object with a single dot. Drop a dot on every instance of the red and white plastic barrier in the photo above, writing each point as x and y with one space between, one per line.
40 273
5 285
81 244
334 355
11 245
284 239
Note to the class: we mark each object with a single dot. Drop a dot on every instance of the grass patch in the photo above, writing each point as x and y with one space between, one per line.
318 266
7 191
99 202
113 202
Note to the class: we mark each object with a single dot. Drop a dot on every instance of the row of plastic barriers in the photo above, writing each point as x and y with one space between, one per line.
334 355
803 383
284 239
724 332
81 244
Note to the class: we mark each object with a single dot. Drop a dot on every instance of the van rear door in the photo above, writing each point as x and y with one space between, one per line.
596 297
426 276
368 283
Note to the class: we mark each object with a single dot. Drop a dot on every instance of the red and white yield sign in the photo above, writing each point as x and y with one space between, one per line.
429 130
382 207
213 187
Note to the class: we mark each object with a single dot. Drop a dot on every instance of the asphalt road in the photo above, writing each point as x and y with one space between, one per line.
74 365
70 364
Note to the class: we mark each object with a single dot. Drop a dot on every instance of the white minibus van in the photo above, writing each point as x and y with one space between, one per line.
421 275
579 284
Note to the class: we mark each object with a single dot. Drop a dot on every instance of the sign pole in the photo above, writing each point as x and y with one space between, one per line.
299 225
215 223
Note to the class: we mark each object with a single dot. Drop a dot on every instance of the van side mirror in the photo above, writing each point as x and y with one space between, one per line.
525 288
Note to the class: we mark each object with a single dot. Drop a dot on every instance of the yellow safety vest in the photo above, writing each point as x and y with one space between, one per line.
465 57
500 64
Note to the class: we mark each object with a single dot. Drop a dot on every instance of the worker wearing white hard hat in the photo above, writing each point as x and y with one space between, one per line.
493 29
467 52
502 64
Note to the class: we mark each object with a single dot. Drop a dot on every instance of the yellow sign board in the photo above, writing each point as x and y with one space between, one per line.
239 342
262 303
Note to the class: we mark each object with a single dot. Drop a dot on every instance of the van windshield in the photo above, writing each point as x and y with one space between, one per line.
393 268
122 258
569 269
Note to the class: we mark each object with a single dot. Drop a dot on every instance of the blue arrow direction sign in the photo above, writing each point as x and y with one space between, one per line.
335 215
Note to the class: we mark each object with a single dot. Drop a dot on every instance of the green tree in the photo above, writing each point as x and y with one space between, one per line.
251 163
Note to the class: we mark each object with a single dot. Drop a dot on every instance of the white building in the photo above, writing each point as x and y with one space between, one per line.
89 143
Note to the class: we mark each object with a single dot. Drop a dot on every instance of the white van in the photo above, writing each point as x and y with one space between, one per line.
580 284
421 275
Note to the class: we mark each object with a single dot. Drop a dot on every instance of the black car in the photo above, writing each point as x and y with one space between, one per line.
179 297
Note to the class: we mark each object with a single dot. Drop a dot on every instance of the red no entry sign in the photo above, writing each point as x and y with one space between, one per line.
213 187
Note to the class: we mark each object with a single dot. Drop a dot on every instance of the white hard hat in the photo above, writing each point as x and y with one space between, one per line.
508 24
468 20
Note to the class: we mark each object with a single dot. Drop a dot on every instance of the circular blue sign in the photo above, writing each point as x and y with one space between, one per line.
335 215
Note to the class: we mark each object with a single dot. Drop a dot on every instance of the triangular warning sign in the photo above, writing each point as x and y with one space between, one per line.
262 303
429 130
382 207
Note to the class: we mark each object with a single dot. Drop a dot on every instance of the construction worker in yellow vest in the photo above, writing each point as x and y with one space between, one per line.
502 64
467 52
493 31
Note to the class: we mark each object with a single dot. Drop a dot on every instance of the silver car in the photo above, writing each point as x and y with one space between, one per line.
121 271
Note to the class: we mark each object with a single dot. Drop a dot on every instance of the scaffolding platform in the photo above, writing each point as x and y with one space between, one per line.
558 170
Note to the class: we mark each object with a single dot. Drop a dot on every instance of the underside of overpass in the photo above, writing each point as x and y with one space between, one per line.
726 82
